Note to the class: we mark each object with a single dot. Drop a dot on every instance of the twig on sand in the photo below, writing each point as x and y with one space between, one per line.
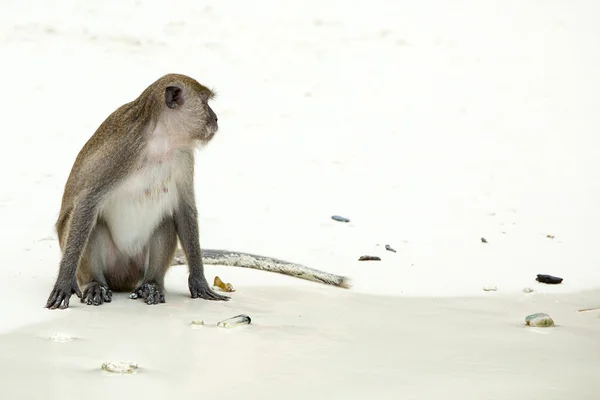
588 309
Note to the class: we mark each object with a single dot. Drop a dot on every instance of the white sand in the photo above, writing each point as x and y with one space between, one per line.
429 124
309 343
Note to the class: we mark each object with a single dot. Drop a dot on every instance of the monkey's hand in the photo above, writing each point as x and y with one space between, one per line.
60 295
199 289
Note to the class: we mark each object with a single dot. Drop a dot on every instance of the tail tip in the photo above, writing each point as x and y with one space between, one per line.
345 283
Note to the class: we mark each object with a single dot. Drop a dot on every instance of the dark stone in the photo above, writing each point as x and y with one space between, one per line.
389 248
369 258
553 280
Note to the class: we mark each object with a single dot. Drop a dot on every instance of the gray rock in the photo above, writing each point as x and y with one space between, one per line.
539 320
339 218
527 290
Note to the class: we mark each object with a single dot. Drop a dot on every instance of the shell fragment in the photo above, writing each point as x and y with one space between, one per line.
119 367
234 321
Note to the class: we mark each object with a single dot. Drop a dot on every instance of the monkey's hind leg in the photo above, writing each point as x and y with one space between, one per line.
161 250
103 267
90 269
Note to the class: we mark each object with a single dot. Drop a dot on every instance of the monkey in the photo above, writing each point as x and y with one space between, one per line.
129 200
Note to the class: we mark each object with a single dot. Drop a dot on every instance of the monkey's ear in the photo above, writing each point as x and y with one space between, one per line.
173 97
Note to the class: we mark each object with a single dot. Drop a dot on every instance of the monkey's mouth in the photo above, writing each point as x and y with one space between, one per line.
210 133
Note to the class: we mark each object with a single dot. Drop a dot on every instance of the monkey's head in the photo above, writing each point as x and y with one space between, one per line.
185 109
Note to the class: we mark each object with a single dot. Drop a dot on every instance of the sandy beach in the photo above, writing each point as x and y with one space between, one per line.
429 125
312 343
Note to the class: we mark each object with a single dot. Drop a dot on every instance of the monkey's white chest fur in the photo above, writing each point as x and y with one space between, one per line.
138 206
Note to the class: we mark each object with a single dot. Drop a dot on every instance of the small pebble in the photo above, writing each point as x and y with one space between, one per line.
553 280
197 322
61 338
483 240
119 367
490 288
179 257
389 248
527 290
369 258
234 321
340 219
539 320
178 260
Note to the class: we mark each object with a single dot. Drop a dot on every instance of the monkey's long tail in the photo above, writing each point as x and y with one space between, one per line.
253 261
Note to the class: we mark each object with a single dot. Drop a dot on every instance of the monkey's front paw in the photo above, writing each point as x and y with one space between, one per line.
96 293
60 295
150 292
199 289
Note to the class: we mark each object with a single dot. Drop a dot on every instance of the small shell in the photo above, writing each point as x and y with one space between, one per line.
61 338
119 367
197 322
224 287
490 288
527 290
234 321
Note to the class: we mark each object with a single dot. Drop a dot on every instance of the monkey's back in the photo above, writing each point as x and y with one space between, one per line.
105 157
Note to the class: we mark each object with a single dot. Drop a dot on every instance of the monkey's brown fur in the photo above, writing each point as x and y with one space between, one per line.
163 126
128 118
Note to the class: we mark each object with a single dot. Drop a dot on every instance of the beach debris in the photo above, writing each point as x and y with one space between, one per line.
588 309
550 236
490 288
61 338
119 367
222 286
369 258
340 219
232 322
389 248
539 320
179 258
527 290
483 240
198 322
553 280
